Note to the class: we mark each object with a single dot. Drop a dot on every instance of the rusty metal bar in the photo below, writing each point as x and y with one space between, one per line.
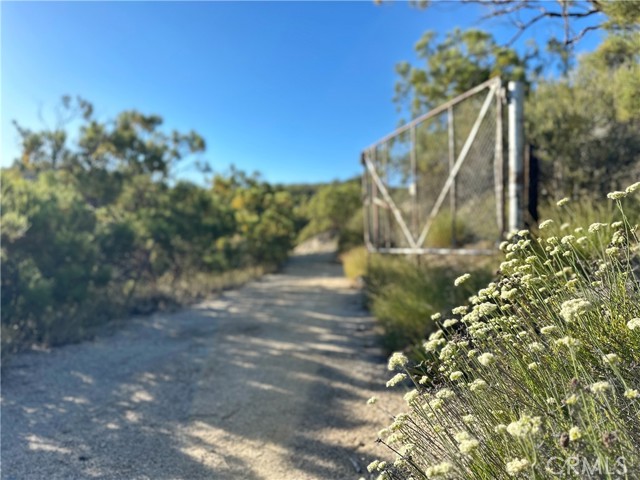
392 206
435 251
488 84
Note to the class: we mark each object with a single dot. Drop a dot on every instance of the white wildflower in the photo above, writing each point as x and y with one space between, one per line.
526 425
575 434
477 384
372 401
573 309
545 224
468 446
469 419
486 359
617 195
568 342
460 310
562 202
396 379
514 467
600 387
397 360
631 393
610 358
457 375
411 397
445 393
632 188
461 279
594 227
449 323
633 324
439 470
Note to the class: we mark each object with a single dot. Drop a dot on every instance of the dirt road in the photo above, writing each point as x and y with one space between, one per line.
265 382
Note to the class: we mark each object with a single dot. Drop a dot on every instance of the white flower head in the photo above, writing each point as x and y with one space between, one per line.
575 434
486 359
397 360
477 385
611 358
525 426
633 324
562 202
600 388
439 470
617 195
445 393
411 396
545 224
396 379
632 188
461 279
515 467
573 309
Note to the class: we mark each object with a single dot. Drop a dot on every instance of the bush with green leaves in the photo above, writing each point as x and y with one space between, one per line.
403 295
95 230
537 377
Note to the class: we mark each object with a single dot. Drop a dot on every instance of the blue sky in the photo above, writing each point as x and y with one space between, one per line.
293 89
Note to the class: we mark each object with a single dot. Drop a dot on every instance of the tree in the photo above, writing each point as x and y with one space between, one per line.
453 65
577 18
586 128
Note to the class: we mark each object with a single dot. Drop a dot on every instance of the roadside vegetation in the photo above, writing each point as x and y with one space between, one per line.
527 368
537 374
101 228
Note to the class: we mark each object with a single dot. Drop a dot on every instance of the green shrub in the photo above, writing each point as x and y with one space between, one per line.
538 376
403 296
354 262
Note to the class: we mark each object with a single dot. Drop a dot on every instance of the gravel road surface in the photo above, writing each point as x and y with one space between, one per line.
265 382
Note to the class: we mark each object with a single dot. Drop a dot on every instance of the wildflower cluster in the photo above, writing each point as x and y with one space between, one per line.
541 364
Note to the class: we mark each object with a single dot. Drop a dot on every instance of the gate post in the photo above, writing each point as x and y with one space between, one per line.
515 97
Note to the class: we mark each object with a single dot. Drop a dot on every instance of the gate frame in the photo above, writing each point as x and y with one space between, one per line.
513 94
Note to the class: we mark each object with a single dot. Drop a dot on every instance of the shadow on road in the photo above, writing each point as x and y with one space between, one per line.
268 381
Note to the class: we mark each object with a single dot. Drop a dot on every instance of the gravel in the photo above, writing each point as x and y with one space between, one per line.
268 381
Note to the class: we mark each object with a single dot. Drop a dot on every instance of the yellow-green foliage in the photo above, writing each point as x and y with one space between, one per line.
538 376
354 263
91 230
441 231
404 295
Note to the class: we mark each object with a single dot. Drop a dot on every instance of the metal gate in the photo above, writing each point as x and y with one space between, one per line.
437 184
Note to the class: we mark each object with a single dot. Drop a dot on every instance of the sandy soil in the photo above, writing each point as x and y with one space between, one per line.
265 382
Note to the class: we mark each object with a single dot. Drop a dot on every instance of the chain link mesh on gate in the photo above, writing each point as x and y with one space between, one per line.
436 185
